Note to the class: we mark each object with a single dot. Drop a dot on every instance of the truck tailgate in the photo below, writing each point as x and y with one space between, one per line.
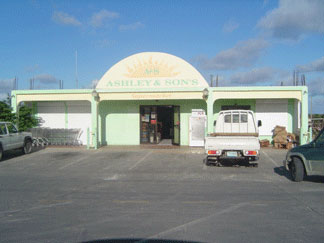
232 143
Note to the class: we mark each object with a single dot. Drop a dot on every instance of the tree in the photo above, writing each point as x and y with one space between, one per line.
25 118
6 113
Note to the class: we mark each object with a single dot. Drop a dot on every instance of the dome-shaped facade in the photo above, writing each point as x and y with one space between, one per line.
151 70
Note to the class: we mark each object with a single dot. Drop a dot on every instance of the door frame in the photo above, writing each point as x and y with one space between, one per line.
173 109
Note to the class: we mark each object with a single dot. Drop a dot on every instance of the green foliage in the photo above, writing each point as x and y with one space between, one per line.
26 119
318 115
6 113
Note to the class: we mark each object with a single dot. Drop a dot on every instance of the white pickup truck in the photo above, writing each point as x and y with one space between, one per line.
235 138
11 139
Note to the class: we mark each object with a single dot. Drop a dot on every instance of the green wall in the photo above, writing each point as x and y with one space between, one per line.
119 121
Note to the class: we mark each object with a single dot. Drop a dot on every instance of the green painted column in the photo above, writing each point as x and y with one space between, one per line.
94 122
66 115
304 117
210 112
291 115
13 102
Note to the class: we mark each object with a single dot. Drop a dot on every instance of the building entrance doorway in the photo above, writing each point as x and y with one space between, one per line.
160 125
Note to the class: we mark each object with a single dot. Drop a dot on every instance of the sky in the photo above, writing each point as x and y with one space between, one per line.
245 43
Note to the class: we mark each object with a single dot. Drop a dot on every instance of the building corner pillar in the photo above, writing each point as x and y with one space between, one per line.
304 135
94 122
14 102
210 112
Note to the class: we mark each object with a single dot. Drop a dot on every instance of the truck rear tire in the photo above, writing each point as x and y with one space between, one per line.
27 146
206 162
297 169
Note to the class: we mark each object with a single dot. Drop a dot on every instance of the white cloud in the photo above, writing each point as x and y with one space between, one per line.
98 19
243 54
315 66
104 43
230 26
265 3
255 76
65 19
32 68
316 86
6 84
133 26
94 83
3 96
292 19
46 79
317 104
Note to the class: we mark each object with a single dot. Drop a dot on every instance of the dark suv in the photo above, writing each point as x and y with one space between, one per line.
306 159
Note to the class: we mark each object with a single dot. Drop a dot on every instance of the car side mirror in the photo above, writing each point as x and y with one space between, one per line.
259 123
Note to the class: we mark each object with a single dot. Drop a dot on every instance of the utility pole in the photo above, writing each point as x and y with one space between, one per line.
217 80
76 69
303 79
14 84
211 80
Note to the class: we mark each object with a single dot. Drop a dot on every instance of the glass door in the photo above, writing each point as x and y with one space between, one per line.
148 124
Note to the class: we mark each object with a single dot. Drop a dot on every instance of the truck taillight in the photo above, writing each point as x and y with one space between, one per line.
216 152
251 152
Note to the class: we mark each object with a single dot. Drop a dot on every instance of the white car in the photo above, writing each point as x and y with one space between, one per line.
11 139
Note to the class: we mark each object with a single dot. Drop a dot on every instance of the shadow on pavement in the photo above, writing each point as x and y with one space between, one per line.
18 153
230 163
283 172
139 241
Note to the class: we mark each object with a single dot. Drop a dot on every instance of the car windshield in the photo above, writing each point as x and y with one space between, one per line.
320 138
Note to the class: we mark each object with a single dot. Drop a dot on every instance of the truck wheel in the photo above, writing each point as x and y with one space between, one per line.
1 153
27 147
297 169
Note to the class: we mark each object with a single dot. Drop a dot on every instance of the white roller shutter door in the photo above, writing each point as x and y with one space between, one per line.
271 113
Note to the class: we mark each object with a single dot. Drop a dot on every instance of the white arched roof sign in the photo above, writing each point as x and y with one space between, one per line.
151 70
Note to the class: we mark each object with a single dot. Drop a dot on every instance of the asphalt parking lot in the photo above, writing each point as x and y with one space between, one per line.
143 194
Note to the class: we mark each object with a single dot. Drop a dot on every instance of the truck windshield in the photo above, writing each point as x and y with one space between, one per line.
11 128
236 118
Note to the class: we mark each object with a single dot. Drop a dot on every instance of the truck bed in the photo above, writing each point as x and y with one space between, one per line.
234 134
232 143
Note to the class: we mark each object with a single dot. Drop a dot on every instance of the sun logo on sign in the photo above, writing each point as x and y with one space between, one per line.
151 69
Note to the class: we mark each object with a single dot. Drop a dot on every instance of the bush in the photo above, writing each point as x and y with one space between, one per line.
24 119
6 113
